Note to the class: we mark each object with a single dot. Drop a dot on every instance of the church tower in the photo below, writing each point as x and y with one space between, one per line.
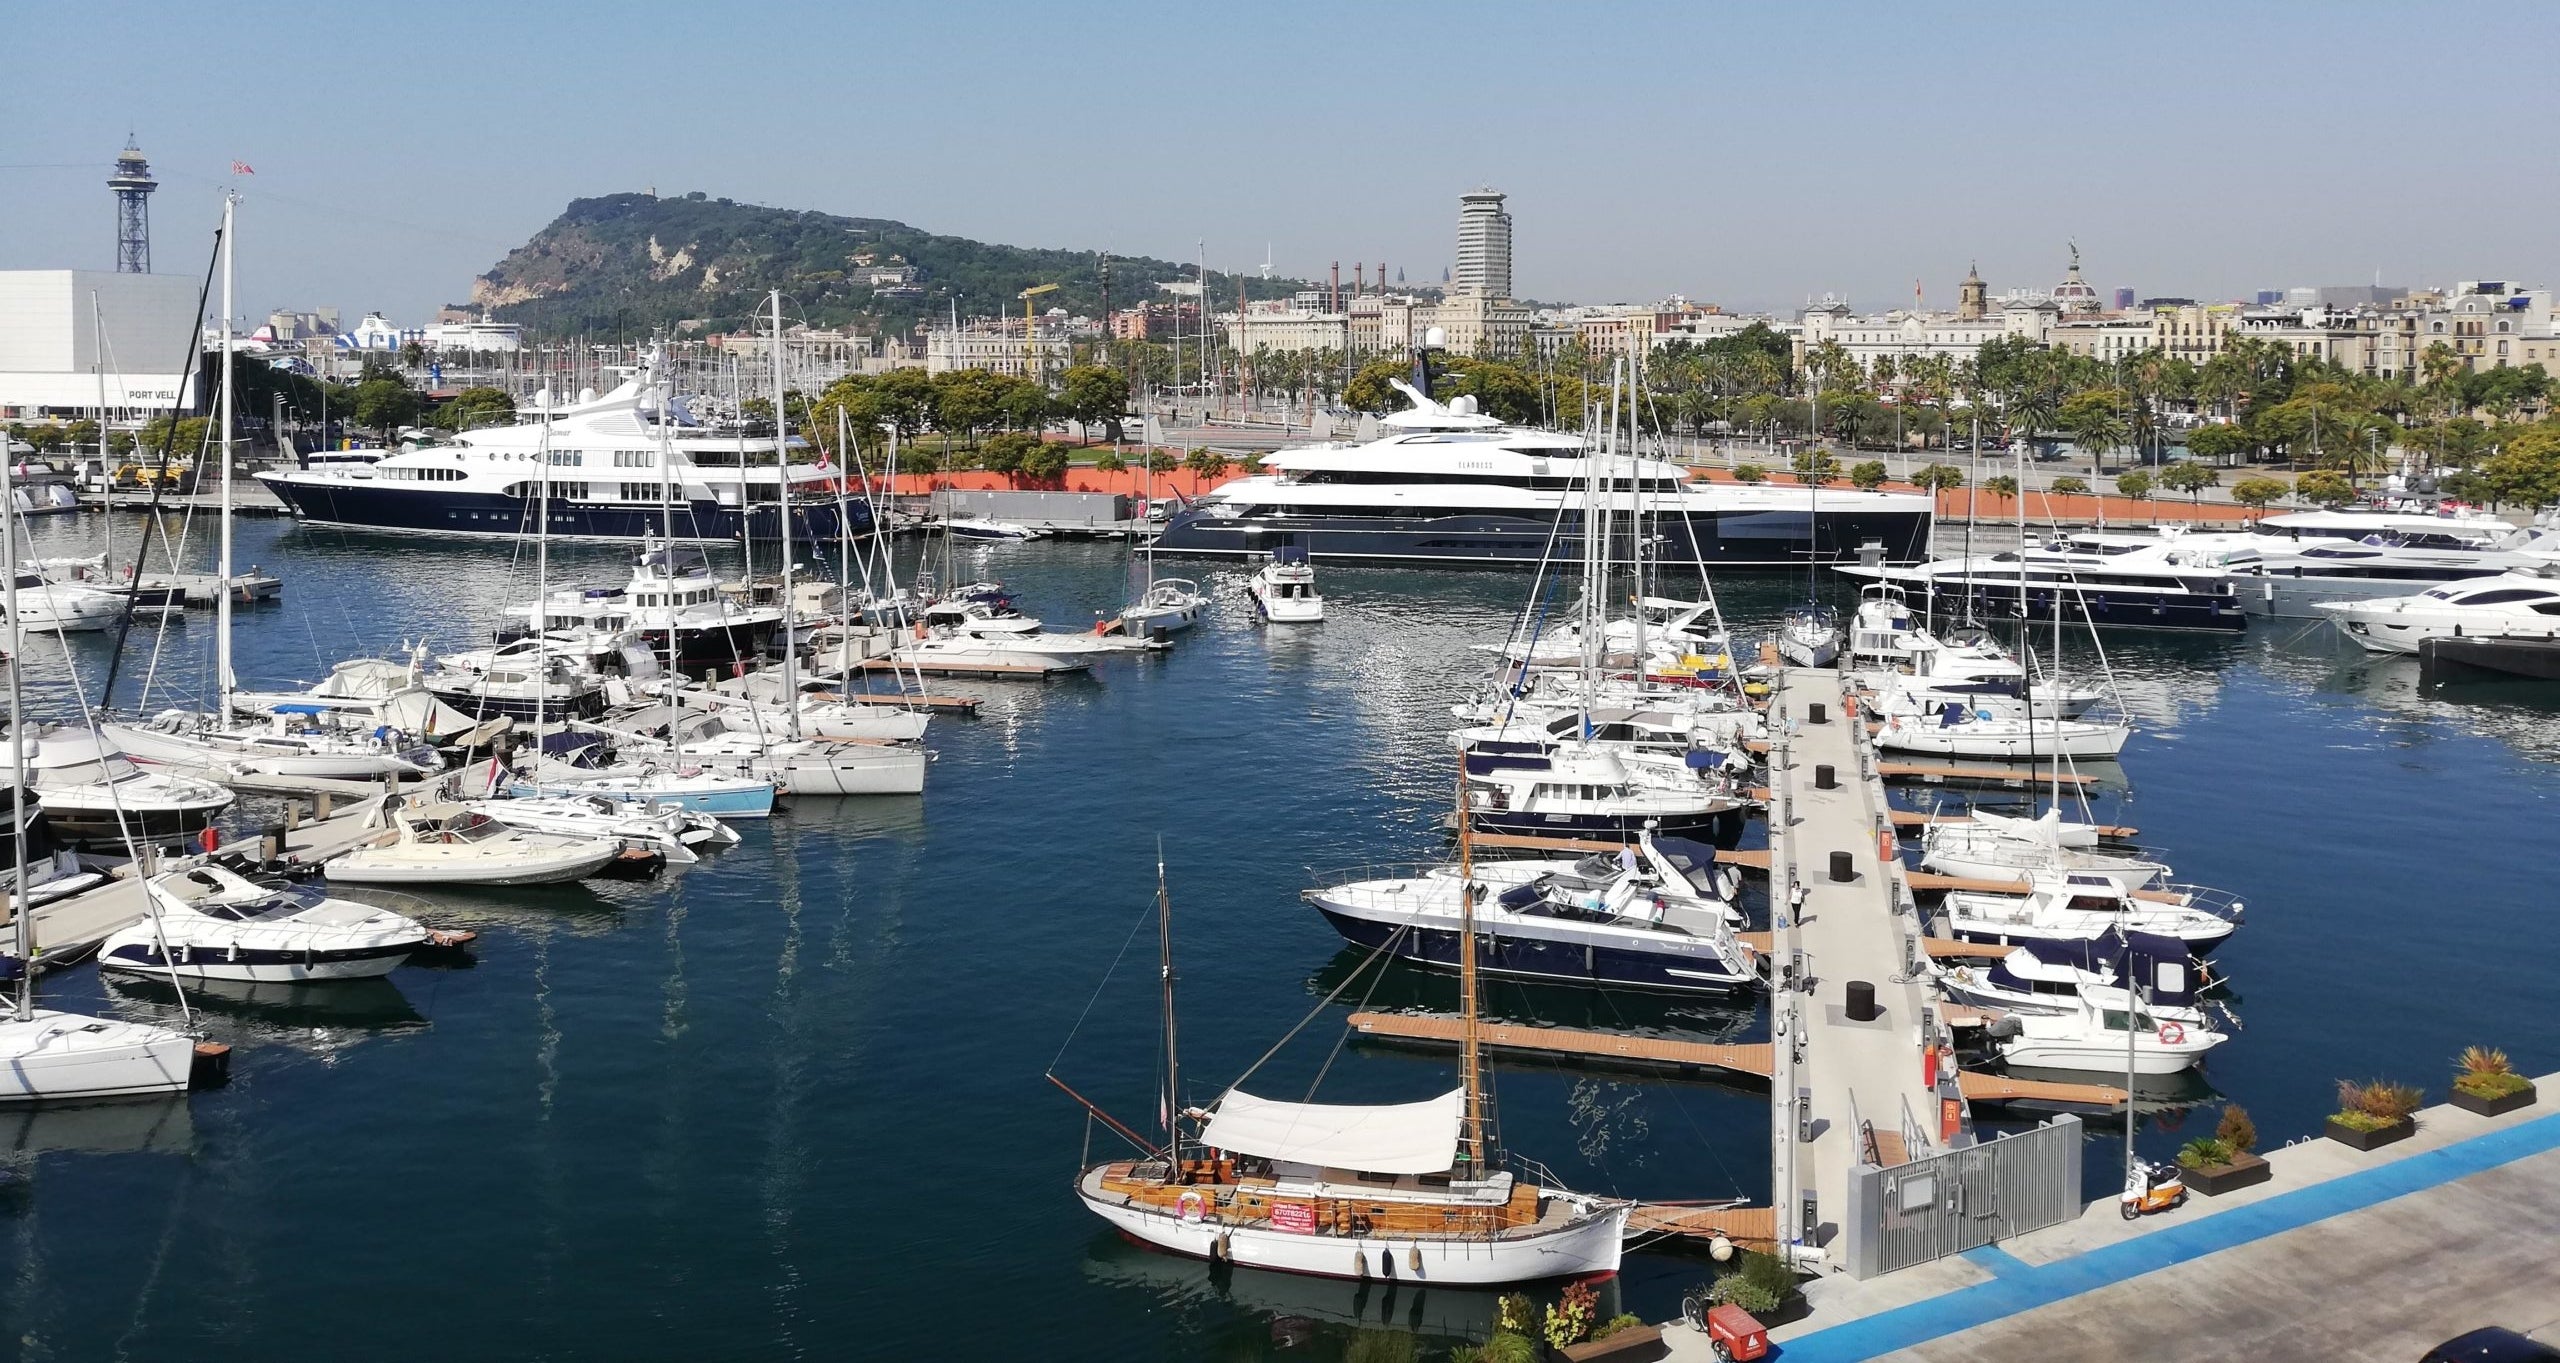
1973 297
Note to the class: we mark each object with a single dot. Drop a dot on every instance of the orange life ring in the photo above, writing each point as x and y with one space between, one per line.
2172 1034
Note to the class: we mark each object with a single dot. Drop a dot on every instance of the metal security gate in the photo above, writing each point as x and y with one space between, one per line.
1962 1199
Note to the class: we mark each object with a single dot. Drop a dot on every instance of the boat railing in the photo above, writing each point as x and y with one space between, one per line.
1336 879
2220 903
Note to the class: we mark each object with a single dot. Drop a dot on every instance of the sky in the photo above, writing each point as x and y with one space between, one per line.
1748 156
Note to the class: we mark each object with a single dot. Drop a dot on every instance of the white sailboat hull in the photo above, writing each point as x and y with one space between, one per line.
1582 1247
53 1056
2004 742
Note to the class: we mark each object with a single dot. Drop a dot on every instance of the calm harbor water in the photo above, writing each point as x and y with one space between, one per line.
790 1102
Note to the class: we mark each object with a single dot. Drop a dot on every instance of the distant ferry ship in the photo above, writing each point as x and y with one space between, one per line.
1442 483
629 465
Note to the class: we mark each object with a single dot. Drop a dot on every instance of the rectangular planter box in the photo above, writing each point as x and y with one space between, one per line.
2494 1107
2214 1180
2400 1130
1635 1344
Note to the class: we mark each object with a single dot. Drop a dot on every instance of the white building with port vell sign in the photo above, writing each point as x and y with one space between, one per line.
62 331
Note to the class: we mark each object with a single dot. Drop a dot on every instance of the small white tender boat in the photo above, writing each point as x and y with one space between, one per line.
210 923
988 528
1285 589
445 844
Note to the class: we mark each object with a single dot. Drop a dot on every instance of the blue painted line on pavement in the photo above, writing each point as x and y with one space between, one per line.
1998 1262
2029 1286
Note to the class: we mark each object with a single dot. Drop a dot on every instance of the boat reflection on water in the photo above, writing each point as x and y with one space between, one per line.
1406 988
1299 1306
322 1019
161 1125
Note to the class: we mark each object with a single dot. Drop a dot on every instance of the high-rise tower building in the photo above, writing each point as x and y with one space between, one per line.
133 184
1484 246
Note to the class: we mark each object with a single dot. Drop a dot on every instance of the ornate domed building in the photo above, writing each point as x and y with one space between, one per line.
2075 295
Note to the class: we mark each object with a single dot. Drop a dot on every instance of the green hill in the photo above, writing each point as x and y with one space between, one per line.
628 264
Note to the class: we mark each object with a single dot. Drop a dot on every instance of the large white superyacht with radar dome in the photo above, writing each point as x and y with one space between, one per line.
1442 482
632 464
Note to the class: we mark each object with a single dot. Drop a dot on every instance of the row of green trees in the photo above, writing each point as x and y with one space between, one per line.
964 406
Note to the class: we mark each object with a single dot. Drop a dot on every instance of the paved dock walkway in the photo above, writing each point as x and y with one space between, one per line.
2343 1255
1863 1075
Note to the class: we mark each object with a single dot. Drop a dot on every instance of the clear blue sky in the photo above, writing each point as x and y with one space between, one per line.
1747 155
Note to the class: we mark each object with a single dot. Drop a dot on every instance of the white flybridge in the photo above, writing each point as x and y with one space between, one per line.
1395 1192
216 742
47 1055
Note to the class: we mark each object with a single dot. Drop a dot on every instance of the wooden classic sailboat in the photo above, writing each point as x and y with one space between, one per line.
1402 1192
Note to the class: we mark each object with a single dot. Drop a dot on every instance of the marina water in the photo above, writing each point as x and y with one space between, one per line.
789 1102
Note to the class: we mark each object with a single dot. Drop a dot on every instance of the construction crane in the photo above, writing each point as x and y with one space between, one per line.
1030 336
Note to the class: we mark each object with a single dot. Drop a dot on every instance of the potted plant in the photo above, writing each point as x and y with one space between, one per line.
2488 1085
2374 1114
2221 1163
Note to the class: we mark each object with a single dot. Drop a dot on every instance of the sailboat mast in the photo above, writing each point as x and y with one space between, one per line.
667 525
1172 1060
222 594
782 516
541 580
106 471
1470 1045
22 930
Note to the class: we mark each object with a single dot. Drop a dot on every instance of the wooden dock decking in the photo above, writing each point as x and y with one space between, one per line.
1750 1227
1745 1059
1939 948
1020 671
1755 1059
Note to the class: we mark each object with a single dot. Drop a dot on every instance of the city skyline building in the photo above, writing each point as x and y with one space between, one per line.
1484 245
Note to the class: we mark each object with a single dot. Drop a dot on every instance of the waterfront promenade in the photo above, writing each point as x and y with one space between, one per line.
2342 1255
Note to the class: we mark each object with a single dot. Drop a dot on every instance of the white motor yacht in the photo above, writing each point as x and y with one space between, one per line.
1583 790
1659 916
981 634
446 844
2508 606
50 607
2092 1039
2116 578
973 527
92 794
1443 482
209 923
2060 976
2074 906
1988 846
1891 649
1284 589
